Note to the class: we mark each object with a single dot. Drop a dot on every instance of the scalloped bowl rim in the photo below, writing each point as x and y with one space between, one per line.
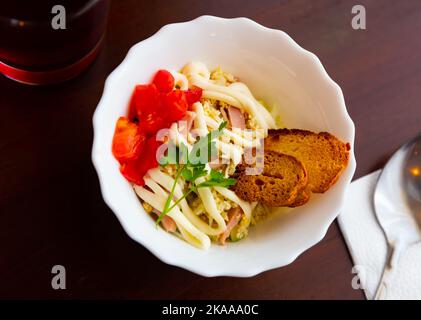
317 235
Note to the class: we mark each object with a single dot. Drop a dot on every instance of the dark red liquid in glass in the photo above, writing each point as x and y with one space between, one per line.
32 51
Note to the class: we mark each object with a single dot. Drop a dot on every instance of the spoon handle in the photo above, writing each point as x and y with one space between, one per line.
389 271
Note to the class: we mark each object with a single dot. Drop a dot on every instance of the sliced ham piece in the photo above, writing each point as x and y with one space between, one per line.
236 118
234 216
167 223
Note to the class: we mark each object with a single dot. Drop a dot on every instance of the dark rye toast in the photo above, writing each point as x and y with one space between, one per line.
324 156
301 199
282 179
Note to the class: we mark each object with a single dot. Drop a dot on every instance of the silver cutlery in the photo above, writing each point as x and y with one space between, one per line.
397 203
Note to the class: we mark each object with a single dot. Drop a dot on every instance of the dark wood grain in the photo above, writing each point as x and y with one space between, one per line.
51 210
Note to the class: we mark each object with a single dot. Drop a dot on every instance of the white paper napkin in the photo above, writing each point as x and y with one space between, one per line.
367 245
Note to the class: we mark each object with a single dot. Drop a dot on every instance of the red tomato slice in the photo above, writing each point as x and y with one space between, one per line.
147 99
164 81
132 108
130 170
127 140
152 146
193 95
176 104
152 123
135 170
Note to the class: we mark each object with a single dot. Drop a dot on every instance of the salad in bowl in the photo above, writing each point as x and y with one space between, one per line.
225 146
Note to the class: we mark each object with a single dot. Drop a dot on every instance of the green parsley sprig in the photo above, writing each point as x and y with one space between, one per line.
192 166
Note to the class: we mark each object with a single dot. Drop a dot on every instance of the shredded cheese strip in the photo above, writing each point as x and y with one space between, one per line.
237 138
198 68
190 233
209 203
177 137
237 95
212 123
180 80
230 151
199 121
242 141
247 207
167 182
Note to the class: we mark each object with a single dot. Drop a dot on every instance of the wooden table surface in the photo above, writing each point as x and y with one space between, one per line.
51 209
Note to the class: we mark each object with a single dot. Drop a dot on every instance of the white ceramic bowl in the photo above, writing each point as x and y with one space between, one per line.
277 70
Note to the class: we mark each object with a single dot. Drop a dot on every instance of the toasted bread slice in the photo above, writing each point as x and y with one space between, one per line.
301 199
324 156
279 183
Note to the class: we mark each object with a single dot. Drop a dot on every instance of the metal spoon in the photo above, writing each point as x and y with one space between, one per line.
397 202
